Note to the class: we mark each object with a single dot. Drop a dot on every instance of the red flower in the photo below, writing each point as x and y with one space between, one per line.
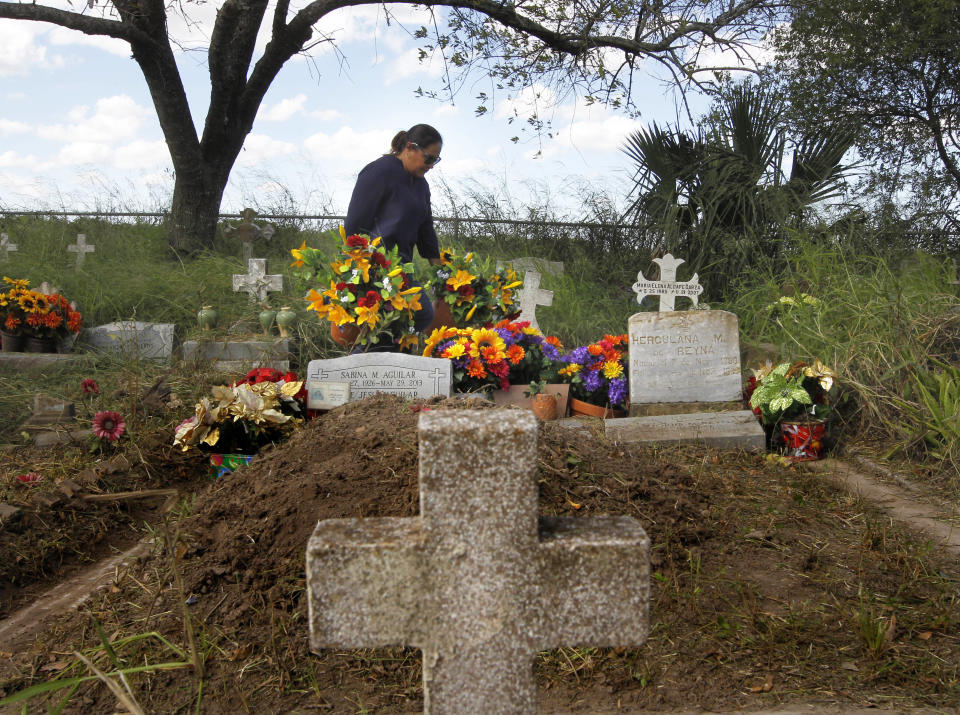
30 478
108 425
341 285
89 387
372 297
356 241
361 302
290 377
380 259
467 291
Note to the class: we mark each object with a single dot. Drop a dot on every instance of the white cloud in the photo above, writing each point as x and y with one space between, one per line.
61 36
408 64
8 126
19 52
282 110
530 101
13 159
83 152
114 119
141 154
258 148
326 115
348 146
446 110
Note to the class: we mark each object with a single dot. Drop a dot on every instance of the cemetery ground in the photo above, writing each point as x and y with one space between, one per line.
770 585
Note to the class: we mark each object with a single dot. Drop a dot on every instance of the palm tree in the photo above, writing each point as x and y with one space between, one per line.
720 195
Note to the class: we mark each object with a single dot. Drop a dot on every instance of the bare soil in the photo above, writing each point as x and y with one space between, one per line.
770 586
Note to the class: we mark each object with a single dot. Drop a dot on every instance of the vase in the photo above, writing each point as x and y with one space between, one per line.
207 317
344 335
226 463
266 319
286 319
39 345
544 406
11 343
585 409
804 440
442 316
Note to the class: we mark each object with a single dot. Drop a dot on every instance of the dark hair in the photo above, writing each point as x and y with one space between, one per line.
423 135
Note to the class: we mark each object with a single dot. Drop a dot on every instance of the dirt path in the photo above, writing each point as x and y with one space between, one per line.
897 501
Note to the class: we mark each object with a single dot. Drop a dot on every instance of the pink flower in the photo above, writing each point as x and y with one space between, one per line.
30 478
89 387
108 425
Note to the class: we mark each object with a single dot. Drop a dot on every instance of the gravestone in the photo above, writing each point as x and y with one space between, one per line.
133 338
247 232
530 296
81 248
241 356
668 287
477 581
52 422
347 379
7 247
256 282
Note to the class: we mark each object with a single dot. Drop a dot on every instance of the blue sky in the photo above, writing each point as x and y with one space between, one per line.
78 130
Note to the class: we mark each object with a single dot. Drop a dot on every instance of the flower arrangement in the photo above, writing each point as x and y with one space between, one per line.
369 288
791 390
34 314
597 372
244 417
498 356
476 292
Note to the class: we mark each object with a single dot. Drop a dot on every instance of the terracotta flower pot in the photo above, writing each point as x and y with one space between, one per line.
804 440
442 315
544 406
11 343
585 409
344 335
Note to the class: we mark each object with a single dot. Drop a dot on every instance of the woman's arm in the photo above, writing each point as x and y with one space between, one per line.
365 201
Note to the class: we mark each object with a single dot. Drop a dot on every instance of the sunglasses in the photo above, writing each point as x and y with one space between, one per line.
428 159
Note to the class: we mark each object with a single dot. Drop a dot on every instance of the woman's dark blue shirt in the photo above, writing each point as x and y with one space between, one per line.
390 202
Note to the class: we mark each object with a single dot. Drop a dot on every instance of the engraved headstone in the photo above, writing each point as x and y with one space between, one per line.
532 295
256 282
477 581
247 232
6 247
231 356
81 248
133 338
668 287
409 376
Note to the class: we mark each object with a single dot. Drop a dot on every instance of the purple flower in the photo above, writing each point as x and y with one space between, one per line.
618 390
549 351
578 355
592 381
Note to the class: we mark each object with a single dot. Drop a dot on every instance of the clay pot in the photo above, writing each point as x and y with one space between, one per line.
11 343
804 440
585 409
266 319
544 406
286 319
344 335
442 315
207 317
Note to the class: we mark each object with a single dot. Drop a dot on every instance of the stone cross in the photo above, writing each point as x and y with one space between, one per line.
81 248
477 581
7 247
247 232
531 295
668 287
48 289
257 283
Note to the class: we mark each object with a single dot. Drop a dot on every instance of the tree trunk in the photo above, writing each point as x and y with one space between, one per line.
197 194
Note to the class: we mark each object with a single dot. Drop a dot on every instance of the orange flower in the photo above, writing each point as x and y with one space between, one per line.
52 320
73 321
475 369
595 349
12 323
555 341
35 319
515 354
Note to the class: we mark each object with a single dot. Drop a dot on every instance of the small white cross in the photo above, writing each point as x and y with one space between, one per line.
48 289
81 248
668 287
257 283
531 295
6 246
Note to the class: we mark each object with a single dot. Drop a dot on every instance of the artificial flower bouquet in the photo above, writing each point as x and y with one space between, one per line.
31 313
791 391
370 287
597 372
264 407
475 291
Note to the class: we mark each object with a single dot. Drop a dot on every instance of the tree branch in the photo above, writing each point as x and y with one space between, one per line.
73 20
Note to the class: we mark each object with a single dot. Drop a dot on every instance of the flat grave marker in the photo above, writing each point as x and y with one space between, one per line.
133 338
409 376
478 582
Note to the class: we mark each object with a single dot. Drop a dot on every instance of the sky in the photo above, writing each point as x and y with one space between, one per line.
78 130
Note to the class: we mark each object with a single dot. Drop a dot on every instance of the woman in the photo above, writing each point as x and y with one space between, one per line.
392 200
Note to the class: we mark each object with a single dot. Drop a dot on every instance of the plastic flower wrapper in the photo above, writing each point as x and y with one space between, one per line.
476 292
365 285
597 372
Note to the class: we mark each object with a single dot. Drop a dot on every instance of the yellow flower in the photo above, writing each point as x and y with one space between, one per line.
342 266
454 351
515 284
459 279
471 312
376 242
336 314
368 314
486 337
296 253
571 369
410 340
17 282
343 233
395 272
316 302
612 369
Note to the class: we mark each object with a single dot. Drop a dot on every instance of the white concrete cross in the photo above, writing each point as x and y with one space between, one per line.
247 232
7 247
257 283
668 287
530 296
48 289
81 248
477 581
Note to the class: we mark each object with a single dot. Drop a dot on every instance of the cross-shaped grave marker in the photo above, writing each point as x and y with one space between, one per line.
477 581
257 283
247 232
532 295
81 248
7 247
668 287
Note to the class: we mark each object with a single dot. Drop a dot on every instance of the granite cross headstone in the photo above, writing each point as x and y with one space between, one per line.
247 232
7 247
477 581
532 295
668 287
256 282
81 248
